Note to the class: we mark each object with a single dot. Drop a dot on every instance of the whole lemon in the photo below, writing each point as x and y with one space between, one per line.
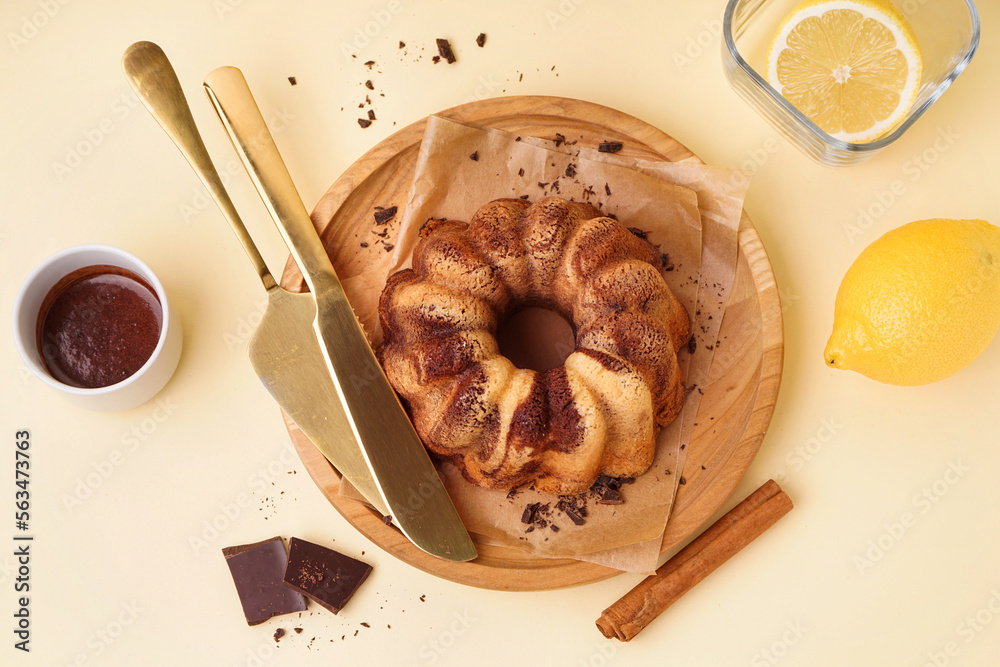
919 303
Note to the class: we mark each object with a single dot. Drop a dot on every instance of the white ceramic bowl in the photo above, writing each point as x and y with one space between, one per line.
135 389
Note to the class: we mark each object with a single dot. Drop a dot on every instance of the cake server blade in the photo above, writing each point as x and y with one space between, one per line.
283 350
405 476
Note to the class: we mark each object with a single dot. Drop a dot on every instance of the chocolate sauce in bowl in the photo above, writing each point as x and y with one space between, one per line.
97 326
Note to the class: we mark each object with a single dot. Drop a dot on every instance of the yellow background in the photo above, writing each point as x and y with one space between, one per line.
889 557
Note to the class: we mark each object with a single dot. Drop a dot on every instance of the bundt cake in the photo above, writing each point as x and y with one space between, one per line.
503 426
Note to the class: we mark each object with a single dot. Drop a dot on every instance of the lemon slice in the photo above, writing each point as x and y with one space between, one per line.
851 66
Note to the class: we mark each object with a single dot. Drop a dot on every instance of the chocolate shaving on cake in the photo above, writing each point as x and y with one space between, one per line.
444 49
402 44
364 122
369 85
371 114
610 146
292 80
384 215
481 39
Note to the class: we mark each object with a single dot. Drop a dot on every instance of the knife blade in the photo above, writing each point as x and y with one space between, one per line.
283 350
402 469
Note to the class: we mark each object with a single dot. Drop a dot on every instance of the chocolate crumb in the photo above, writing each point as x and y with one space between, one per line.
388 247
292 80
511 493
520 172
423 598
481 39
524 197
574 516
384 215
402 44
683 481
570 170
365 625
474 157
638 232
607 190
554 528
298 631
610 146
692 345
444 48
278 634
371 114
364 244
387 520
364 122
529 512
542 185
610 497
369 85
369 64
436 59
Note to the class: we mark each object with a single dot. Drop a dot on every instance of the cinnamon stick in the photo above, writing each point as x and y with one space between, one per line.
721 541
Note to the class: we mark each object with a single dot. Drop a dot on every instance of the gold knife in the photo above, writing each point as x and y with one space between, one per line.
403 472
283 350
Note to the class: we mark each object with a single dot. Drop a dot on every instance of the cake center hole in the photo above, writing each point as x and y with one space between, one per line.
536 338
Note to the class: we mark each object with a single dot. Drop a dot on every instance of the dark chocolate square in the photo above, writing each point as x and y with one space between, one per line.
257 571
323 575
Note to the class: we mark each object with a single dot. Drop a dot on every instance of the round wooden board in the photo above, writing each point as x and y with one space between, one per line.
741 406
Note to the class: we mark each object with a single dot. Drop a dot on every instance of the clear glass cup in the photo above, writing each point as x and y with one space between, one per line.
948 34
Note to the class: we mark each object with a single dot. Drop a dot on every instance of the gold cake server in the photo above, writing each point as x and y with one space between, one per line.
405 476
283 350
